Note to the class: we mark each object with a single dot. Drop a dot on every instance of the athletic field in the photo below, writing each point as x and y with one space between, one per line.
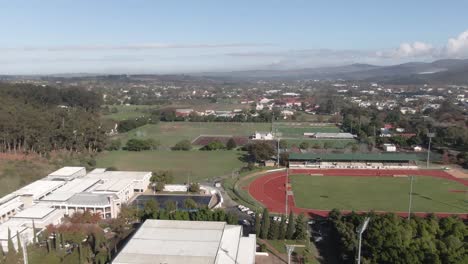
319 191
378 193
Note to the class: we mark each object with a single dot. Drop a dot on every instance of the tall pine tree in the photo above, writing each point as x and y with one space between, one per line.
282 228
265 224
258 224
273 231
301 228
290 228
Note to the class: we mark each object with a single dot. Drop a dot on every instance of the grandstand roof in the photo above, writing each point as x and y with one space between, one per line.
354 156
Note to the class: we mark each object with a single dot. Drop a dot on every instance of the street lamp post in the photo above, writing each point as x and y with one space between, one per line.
361 230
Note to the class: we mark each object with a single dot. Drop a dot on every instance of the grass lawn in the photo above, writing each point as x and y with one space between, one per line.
280 246
378 193
199 165
169 133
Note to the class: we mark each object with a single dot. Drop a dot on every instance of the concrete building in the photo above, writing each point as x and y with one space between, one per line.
194 242
67 173
14 228
40 215
389 147
262 136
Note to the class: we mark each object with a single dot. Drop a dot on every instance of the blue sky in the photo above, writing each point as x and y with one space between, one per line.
39 37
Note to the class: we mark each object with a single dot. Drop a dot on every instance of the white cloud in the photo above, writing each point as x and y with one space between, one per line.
409 50
458 47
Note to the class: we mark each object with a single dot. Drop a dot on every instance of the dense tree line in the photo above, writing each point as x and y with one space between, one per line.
42 119
152 210
392 239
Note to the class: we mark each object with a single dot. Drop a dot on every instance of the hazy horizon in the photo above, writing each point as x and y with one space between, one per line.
108 37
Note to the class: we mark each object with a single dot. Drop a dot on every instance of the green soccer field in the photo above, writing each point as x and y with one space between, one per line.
198 165
169 133
378 193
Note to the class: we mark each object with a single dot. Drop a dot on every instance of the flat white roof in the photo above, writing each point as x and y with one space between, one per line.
36 212
114 185
7 207
67 171
197 242
70 188
40 188
13 226
134 175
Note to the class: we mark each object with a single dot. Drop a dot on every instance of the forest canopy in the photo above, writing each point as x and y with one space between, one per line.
39 119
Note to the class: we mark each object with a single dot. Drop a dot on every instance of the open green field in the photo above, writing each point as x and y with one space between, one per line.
169 133
378 193
198 165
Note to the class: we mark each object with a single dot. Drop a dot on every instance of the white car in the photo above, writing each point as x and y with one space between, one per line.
245 209
249 212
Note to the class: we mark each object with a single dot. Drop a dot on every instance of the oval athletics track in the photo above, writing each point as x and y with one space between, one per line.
270 189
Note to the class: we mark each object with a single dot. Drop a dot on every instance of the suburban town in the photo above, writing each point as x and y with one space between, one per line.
160 132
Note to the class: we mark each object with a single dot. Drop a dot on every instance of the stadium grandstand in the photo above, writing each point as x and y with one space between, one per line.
353 161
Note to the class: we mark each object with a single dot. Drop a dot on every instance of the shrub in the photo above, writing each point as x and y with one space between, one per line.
182 145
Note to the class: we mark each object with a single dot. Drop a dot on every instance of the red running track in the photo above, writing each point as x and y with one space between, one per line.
269 189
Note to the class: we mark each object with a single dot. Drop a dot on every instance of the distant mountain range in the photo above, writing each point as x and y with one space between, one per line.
440 71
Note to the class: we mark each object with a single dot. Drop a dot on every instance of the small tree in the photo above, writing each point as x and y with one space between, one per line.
258 224
283 144
273 230
304 145
282 228
301 228
290 228
231 144
190 204
265 224
214 145
194 188
183 145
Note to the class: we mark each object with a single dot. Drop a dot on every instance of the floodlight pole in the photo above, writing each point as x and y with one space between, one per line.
286 187
410 197
430 135
278 153
360 231
289 250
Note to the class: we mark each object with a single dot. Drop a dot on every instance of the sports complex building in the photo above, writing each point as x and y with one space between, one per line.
353 161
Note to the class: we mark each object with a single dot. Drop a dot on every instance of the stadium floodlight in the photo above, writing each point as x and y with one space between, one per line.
289 250
410 197
361 230
430 136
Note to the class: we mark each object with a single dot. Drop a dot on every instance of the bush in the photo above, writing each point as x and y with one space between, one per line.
194 188
182 145
214 145
113 145
304 145
141 144
231 144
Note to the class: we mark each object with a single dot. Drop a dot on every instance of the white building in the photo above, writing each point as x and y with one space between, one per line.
389 147
64 192
194 242
262 136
